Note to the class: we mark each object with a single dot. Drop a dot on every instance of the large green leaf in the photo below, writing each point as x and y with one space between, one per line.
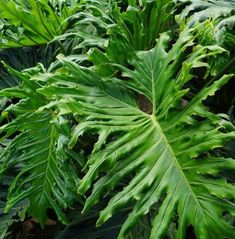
136 27
44 180
117 30
221 11
29 23
214 21
166 153
142 22
45 169
199 10
159 147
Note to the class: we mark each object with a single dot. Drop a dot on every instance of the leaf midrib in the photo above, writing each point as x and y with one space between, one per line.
49 157
164 138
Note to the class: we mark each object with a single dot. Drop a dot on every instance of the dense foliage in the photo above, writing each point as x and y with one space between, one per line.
119 114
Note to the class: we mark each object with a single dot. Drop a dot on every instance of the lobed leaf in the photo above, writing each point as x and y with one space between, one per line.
152 150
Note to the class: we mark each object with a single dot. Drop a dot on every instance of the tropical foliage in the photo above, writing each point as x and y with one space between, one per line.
118 114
